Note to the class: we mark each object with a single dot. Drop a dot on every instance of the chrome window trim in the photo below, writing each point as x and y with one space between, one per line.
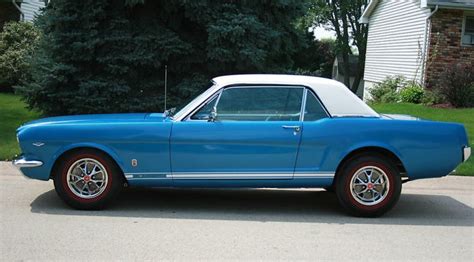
337 98
303 104
214 95
320 103
182 114
221 89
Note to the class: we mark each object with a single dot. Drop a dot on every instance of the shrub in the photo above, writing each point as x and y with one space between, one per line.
390 97
458 85
412 93
432 97
387 90
17 42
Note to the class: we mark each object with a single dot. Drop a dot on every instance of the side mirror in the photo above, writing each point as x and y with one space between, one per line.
212 115
170 112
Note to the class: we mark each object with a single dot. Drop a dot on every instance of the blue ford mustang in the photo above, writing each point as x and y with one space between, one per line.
245 131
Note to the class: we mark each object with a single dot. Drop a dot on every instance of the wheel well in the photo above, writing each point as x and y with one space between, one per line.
74 150
374 150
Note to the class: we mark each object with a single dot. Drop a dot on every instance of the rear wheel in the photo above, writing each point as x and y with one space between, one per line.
368 185
87 179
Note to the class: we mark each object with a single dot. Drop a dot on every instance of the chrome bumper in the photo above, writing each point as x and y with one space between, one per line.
466 153
22 162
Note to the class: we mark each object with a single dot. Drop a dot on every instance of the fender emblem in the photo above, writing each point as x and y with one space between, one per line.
134 162
38 144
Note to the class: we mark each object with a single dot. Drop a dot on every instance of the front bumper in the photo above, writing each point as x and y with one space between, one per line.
23 162
466 153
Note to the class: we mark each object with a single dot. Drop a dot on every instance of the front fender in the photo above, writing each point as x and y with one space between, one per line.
111 152
43 172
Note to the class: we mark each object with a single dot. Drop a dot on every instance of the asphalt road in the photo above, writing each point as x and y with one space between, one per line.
432 221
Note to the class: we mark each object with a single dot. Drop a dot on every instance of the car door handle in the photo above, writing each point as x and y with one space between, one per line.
295 128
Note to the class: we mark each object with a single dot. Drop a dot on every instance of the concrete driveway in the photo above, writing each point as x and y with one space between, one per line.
432 221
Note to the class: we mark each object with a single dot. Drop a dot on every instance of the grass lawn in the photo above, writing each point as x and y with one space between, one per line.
12 114
464 116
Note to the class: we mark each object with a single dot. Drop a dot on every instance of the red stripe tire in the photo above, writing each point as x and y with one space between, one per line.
368 185
87 179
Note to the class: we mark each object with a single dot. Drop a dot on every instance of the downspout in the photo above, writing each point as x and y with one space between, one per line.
425 53
22 15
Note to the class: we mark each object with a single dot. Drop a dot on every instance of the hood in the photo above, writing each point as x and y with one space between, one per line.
79 119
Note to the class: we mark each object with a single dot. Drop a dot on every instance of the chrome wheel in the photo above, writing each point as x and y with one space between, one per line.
87 178
369 185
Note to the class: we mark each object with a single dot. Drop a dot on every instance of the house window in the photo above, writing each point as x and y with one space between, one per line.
468 30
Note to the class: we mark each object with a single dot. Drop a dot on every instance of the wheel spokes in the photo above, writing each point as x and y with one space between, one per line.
369 185
87 178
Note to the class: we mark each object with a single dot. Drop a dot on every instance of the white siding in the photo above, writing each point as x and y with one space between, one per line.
396 40
31 8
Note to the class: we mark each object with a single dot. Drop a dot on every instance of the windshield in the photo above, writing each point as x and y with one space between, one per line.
185 107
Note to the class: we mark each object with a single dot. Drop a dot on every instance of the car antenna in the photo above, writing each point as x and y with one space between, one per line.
166 82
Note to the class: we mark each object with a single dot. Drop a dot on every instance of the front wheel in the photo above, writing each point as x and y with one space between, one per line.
87 179
368 185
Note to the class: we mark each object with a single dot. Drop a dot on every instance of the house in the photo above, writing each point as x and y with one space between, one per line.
338 72
19 10
417 39
30 8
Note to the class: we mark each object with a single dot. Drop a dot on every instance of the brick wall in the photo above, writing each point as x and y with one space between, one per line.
445 45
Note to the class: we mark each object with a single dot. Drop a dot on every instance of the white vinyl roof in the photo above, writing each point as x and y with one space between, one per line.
336 97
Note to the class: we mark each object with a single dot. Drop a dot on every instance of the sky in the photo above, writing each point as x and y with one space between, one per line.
320 33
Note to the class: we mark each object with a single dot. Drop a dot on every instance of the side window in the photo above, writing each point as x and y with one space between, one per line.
314 110
205 111
260 104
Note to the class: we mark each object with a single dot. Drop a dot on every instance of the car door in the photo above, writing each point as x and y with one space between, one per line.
316 140
255 134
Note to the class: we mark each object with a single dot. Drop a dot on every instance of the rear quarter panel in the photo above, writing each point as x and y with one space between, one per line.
426 148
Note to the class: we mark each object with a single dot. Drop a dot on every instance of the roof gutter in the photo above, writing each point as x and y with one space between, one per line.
364 18
432 13
454 6
425 53
22 15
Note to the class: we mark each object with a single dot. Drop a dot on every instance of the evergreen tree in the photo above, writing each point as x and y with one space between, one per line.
315 57
109 55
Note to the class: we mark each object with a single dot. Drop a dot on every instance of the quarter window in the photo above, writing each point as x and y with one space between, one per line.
205 111
314 110
260 104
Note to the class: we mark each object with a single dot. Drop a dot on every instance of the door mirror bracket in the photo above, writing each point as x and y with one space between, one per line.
212 115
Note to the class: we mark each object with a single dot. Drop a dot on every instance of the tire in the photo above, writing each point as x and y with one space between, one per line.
330 189
87 188
381 193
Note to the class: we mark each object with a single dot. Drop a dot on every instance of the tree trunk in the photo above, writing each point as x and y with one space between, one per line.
360 71
347 69
346 50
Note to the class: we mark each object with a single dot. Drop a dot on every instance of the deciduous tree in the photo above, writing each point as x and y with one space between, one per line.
17 43
342 16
